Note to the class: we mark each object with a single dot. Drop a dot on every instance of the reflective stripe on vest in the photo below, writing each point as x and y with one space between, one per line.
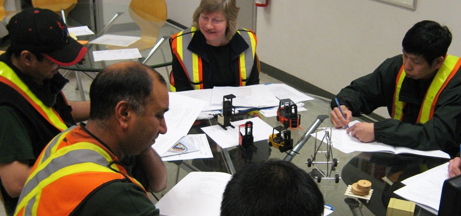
443 76
192 63
10 78
70 171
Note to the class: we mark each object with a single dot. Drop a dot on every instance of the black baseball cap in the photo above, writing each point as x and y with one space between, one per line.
42 30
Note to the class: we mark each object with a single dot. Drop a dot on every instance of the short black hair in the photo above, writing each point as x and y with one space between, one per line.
273 187
17 52
129 82
427 38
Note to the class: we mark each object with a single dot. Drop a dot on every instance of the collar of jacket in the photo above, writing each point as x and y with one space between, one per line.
198 45
47 92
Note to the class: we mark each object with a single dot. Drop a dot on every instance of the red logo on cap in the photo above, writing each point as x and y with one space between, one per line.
61 26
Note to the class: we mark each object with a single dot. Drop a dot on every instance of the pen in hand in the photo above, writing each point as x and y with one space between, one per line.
340 110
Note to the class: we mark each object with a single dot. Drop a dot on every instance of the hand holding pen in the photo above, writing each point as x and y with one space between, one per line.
340 117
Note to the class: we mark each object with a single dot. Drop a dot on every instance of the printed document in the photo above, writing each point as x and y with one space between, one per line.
230 137
182 113
80 30
195 147
283 91
199 193
116 54
115 40
425 189
344 142
245 96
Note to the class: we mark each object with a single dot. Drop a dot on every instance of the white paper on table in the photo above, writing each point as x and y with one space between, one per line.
230 137
115 40
344 142
283 91
425 188
116 54
204 95
199 193
80 31
182 113
204 150
245 96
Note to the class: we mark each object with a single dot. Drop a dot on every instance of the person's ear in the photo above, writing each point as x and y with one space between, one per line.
438 62
27 57
123 113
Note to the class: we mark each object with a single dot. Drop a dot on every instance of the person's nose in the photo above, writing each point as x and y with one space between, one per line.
163 127
209 25
407 65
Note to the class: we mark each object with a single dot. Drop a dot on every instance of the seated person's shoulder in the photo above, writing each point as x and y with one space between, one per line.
118 197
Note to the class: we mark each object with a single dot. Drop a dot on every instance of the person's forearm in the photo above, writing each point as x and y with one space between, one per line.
80 110
154 169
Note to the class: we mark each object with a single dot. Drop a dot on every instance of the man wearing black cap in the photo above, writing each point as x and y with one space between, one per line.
32 107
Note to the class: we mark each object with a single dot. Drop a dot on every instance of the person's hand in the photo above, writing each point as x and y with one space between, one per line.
337 118
454 167
363 131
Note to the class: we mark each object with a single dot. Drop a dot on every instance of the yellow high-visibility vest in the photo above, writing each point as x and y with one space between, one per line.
443 76
192 63
10 78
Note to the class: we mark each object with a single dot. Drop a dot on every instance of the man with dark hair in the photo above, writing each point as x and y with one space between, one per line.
274 187
106 166
421 90
32 107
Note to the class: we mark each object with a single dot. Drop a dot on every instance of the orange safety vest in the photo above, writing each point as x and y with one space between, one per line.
66 172
443 76
10 78
192 63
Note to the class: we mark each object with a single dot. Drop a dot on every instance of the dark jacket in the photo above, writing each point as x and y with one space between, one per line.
199 46
442 132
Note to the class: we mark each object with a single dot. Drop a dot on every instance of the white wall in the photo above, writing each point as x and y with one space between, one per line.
328 42
181 10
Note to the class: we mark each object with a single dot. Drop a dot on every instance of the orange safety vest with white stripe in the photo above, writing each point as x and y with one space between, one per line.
65 173
443 76
192 63
10 78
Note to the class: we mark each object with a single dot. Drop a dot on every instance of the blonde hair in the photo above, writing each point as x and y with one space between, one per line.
228 7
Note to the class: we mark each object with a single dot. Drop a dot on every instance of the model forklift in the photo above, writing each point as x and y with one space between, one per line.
281 139
246 138
287 114
227 111
246 142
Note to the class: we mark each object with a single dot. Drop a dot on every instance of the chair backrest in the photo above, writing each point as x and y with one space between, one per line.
150 16
2 9
3 12
152 10
55 5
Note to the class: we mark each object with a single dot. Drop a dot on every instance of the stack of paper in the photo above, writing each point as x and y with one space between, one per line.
346 143
425 189
247 97
183 112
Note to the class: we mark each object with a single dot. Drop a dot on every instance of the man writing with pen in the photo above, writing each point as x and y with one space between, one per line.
421 89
